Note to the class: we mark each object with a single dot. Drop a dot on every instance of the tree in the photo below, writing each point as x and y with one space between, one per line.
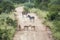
42 4
6 6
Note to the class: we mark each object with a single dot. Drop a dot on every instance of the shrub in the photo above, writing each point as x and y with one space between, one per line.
19 1
54 7
43 6
6 6
26 10
29 5
57 30
6 34
6 30
52 15
1 9
10 22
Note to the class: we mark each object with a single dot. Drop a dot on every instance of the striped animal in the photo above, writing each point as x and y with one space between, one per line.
31 17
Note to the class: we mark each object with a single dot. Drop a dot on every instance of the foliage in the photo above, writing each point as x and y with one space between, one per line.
6 34
10 22
57 30
6 28
29 5
19 1
6 6
54 9
52 15
42 4
26 10
52 6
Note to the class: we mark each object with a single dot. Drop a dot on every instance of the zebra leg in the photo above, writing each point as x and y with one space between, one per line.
19 28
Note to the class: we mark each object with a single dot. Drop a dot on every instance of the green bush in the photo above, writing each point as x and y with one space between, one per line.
1 9
29 5
26 10
6 33
56 33
6 6
43 6
19 1
10 22
52 15
54 7
7 27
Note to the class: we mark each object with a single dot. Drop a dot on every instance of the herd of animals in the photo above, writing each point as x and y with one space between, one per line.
21 27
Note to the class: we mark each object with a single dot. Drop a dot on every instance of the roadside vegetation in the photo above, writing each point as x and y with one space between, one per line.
45 9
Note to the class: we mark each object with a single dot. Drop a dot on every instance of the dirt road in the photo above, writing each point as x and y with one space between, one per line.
40 32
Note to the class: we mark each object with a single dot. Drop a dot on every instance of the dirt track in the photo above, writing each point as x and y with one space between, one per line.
40 32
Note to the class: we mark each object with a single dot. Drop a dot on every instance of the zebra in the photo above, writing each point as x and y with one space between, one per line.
31 17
